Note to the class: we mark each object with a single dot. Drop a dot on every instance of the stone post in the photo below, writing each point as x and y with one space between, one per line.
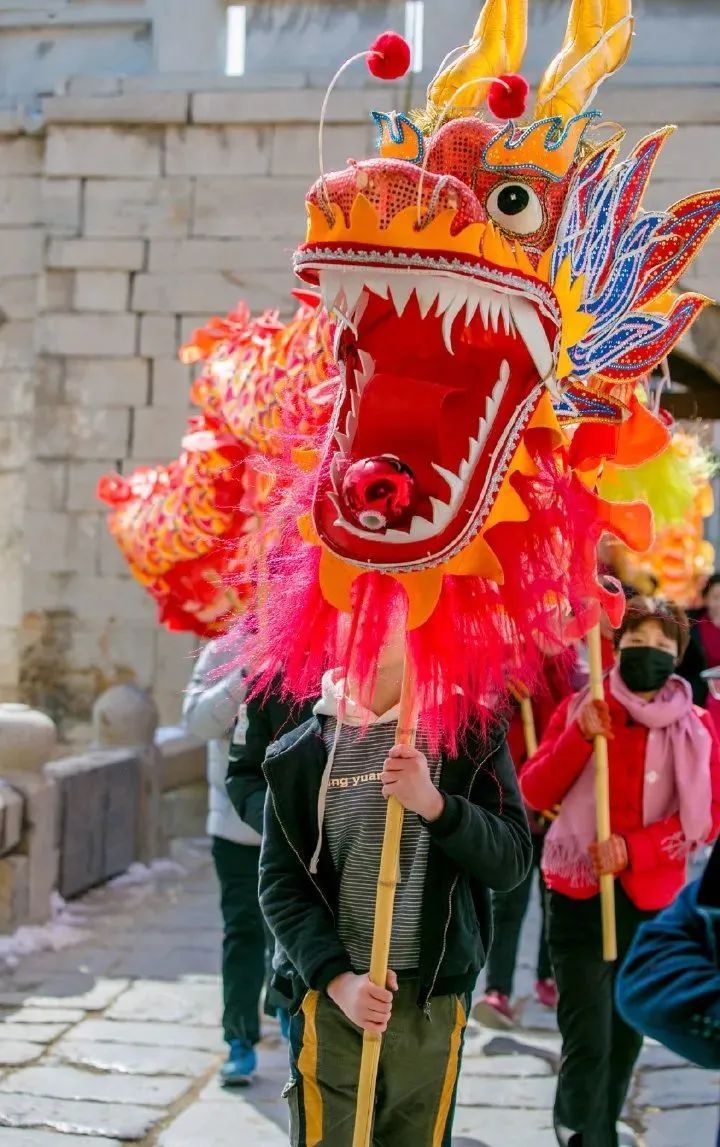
125 716
28 816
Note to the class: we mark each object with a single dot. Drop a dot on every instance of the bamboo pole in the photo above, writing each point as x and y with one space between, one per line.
528 724
602 798
382 930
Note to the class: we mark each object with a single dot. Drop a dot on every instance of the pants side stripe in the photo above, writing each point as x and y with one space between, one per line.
307 1066
451 1074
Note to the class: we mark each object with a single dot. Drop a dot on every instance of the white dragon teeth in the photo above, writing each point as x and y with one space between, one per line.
420 528
494 400
446 294
331 289
346 292
456 484
335 471
427 293
353 287
529 326
495 308
367 369
439 510
378 284
401 288
449 317
506 315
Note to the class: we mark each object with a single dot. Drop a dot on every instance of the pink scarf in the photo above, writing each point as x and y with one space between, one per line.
677 780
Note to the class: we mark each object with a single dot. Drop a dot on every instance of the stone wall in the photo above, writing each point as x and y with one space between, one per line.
126 220
134 218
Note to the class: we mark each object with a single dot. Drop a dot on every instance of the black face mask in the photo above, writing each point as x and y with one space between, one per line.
644 669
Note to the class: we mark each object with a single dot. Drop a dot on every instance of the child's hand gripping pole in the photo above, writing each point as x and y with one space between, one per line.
602 798
384 904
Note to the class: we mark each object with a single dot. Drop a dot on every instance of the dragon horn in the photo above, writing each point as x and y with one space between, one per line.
497 46
597 43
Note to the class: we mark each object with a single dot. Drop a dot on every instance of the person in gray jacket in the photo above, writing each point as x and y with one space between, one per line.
213 708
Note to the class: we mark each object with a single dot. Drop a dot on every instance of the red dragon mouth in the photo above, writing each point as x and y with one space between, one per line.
440 372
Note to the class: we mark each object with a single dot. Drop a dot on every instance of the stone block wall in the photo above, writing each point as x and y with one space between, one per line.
126 219
141 214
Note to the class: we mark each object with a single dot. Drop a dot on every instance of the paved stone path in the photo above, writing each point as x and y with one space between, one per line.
115 1040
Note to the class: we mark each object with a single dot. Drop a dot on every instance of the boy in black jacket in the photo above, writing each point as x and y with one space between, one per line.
466 833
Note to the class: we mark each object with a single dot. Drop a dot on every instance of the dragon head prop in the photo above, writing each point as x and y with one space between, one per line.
497 290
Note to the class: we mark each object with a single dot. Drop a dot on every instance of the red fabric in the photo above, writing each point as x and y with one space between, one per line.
710 638
710 641
653 878
555 685
607 652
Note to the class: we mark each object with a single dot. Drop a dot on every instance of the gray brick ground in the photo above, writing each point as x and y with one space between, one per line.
132 1059
117 1041
58 1081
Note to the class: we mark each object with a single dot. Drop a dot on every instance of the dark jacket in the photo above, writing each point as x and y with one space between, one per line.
669 986
268 717
694 660
480 842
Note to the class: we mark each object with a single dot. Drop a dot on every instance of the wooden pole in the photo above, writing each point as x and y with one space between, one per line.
528 724
602 798
384 905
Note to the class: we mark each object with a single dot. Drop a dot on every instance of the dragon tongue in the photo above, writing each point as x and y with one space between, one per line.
399 415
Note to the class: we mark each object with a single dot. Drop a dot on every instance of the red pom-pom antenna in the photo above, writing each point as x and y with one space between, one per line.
507 97
389 56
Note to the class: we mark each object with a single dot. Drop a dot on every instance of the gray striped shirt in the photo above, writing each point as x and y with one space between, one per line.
354 825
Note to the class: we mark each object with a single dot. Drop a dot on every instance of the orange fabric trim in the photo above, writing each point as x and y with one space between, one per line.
307 1066
451 1074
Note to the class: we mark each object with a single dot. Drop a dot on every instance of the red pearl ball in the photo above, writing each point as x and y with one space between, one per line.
378 492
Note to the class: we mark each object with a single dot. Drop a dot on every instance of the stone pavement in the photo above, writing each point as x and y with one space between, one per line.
116 1040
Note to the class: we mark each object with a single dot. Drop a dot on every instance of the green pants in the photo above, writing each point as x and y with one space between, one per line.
417 1078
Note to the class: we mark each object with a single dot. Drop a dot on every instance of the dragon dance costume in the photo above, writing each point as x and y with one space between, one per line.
494 291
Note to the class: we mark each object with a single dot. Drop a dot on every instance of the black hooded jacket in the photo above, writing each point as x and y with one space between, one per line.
480 842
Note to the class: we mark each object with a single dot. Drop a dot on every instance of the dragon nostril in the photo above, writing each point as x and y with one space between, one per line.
378 491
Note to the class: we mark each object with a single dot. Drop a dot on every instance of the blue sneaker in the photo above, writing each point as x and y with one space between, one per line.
240 1065
283 1016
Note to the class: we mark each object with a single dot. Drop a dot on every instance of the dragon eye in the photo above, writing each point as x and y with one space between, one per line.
515 207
